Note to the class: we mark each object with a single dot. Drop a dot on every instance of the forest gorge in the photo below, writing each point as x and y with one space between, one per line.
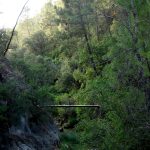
77 52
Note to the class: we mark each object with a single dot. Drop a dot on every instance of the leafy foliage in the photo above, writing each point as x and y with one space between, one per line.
88 52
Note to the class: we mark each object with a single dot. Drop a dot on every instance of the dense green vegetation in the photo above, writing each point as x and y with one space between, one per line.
86 52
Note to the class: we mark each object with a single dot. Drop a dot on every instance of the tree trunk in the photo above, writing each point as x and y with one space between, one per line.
87 40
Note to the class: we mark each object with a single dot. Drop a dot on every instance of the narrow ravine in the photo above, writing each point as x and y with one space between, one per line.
75 75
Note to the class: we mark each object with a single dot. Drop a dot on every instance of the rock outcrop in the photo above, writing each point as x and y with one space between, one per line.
26 134
35 137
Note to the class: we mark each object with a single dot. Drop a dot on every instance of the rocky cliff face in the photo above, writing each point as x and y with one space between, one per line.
35 137
26 133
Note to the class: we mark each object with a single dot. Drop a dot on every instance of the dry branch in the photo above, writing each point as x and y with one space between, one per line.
13 30
70 106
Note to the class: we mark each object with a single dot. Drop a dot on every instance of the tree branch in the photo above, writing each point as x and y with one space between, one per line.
12 33
69 106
